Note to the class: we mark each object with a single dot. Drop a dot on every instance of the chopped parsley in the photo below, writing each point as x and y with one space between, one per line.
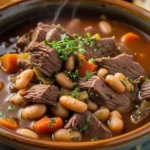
11 108
66 46
75 92
74 75
88 75
94 139
52 122
2 114
70 130
92 61
122 81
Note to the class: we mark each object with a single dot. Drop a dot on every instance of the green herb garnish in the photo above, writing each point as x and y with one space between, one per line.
94 139
75 92
75 138
11 108
2 114
122 81
74 75
88 75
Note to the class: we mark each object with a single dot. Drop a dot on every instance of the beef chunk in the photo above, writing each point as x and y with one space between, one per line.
141 113
102 48
55 34
43 94
89 125
145 90
24 64
45 58
124 64
103 95
40 32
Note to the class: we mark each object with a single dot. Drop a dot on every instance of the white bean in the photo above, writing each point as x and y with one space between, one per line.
73 104
105 28
92 106
28 133
24 78
65 135
70 63
60 111
34 111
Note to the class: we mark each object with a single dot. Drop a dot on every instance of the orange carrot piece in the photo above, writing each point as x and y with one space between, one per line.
10 123
85 66
130 37
48 125
22 92
9 63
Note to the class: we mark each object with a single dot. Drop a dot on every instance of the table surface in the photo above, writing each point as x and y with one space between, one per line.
145 146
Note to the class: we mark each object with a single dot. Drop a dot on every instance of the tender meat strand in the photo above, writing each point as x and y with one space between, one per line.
43 94
124 64
24 64
89 125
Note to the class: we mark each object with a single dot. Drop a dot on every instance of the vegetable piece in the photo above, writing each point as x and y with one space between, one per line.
60 111
9 63
125 82
83 95
102 73
85 66
24 78
115 84
70 63
10 123
1 85
23 56
28 133
67 135
73 104
34 111
102 114
130 37
48 125
64 80
97 36
41 77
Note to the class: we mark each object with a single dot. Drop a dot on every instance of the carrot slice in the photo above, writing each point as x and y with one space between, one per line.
48 125
85 66
130 37
9 63
10 123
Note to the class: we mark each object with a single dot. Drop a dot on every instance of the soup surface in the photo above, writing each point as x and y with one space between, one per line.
83 81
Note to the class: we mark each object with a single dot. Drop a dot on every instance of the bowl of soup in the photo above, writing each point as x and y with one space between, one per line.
74 75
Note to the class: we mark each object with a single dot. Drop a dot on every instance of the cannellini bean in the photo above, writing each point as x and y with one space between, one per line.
64 80
102 114
102 72
116 114
105 28
115 124
34 111
70 63
28 133
16 99
74 24
125 82
92 106
65 135
60 111
115 84
24 78
73 104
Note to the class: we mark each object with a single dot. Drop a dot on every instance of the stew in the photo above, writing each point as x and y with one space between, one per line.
78 80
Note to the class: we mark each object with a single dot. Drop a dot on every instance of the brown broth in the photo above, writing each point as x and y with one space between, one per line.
140 50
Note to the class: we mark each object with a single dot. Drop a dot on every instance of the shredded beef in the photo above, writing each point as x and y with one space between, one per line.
141 113
43 94
103 95
45 58
24 64
89 125
124 64
102 48
145 90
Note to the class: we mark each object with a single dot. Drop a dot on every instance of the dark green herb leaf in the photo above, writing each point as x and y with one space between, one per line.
53 120
88 75
75 138
123 83
92 61
50 125
75 92
74 75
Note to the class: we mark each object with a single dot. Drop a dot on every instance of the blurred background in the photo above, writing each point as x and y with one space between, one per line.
142 3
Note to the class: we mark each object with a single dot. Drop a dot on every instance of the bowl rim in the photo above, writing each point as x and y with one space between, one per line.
114 141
